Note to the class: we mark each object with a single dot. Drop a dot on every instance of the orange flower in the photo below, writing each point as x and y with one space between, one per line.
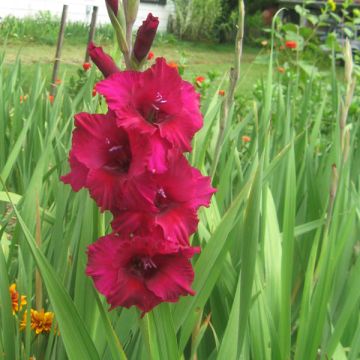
290 44
15 299
41 321
281 69
221 92
23 98
173 64
23 321
51 98
86 66
150 55
246 139
58 81
94 92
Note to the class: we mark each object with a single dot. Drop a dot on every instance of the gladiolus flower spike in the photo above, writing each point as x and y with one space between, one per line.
131 161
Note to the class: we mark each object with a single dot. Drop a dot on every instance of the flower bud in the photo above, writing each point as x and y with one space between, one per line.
145 37
131 10
117 16
113 5
103 61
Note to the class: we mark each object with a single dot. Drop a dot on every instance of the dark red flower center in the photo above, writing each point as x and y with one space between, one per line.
118 157
143 266
162 200
154 112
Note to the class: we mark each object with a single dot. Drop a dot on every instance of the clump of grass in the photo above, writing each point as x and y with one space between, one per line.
278 274
43 29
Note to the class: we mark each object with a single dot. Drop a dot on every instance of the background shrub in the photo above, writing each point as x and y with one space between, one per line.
195 19
216 20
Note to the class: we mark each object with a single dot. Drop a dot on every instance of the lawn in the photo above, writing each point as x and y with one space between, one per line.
198 59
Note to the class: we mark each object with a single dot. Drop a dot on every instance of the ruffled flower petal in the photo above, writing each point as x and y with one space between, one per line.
142 271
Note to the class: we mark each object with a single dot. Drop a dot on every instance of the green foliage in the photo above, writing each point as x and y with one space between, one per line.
278 274
43 28
195 19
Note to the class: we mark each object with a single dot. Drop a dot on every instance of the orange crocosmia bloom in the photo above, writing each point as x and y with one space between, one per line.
41 321
51 98
281 69
200 79
58 81
173 64
86 66
15 299
150 55
221 92
94 92
246 139
23 98
23 321
290 44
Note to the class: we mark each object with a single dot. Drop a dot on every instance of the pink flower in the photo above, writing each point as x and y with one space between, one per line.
142 271
103 61
112 163
145 37
179 193
156 101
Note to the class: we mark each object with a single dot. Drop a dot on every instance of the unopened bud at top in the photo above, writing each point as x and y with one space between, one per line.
131 10
145 37
113 5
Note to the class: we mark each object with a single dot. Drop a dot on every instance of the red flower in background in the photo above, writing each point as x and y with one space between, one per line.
145 37
150 55
86 66
222 92
179 192
199 80
143 271
103 61
155 102
290 44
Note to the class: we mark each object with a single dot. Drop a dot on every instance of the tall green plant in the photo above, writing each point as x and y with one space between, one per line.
278 274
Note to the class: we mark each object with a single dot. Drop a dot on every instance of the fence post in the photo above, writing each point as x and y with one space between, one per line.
58 50
91 31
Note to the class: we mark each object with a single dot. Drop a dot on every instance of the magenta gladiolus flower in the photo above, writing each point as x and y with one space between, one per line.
103 61
145 37
112 163
142 271
131 161
179 193
156 101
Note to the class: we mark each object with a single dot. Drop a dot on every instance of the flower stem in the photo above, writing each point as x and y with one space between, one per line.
233 81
